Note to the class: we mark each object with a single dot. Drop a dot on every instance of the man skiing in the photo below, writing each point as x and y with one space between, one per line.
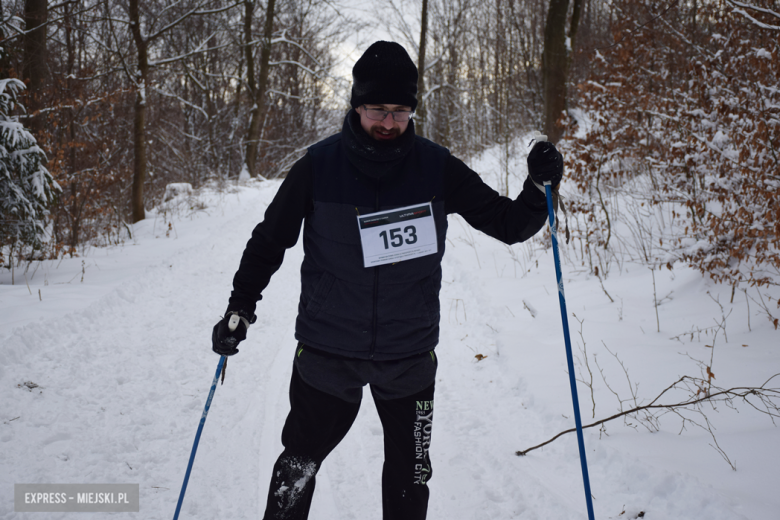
373 201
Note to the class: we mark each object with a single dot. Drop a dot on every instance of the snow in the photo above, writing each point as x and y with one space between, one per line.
244 176
177 189
584 123
105 366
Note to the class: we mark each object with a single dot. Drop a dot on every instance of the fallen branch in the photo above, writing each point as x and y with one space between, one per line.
769 398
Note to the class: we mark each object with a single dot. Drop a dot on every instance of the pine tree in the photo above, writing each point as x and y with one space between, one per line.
27 189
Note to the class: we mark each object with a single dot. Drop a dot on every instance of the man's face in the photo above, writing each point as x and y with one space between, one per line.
388 128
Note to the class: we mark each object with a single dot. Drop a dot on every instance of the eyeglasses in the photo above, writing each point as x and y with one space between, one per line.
377 114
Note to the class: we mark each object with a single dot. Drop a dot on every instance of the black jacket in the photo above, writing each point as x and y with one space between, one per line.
389 311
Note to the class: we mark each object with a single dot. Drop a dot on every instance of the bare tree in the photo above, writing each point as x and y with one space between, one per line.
34 63
481 83
420 121
147 24
141 94
257 90
556 59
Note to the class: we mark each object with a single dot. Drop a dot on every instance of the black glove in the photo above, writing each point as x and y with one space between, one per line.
223 340
545 164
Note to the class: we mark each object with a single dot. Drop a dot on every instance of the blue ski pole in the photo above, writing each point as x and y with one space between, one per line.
565 320
232 324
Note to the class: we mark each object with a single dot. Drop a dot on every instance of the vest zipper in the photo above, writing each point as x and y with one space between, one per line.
376 291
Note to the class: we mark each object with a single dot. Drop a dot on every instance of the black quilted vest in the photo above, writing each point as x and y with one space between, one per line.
386 312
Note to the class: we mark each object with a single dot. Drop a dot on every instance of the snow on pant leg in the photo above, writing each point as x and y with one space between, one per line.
317 422
407 426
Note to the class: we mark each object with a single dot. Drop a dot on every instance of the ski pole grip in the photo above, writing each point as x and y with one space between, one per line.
233 323
541 138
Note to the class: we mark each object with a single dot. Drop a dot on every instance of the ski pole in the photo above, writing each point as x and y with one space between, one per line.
567 340
232 324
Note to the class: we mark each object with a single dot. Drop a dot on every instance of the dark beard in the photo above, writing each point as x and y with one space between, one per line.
392 133
374 157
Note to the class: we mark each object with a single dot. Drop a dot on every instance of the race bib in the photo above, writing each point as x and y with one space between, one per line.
398 234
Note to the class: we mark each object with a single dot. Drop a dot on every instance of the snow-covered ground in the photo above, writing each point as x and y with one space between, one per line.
105 365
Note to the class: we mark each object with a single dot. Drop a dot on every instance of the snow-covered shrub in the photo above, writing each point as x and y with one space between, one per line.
684 119
177 189
26 187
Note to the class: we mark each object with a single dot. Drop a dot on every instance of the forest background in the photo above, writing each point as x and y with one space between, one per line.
668 113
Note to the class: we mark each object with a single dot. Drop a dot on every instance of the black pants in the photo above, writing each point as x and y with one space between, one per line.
318 421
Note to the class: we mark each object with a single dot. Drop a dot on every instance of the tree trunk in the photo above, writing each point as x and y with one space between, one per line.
249 9
449 103
421 112
556 59
70 146
139 119
34 63
139 152
576 15
258 110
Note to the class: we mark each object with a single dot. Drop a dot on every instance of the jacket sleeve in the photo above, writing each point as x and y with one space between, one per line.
504 219
278 231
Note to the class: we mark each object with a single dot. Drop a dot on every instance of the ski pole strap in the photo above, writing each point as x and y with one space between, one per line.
557 200
236 316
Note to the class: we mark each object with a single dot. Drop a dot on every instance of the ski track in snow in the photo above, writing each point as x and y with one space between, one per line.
123 380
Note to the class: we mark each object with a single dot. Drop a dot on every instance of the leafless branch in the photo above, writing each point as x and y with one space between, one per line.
740 9
769 399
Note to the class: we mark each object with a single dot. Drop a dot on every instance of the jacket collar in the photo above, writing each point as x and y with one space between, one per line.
374 158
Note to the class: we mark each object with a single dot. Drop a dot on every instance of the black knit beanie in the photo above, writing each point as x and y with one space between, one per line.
385 74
